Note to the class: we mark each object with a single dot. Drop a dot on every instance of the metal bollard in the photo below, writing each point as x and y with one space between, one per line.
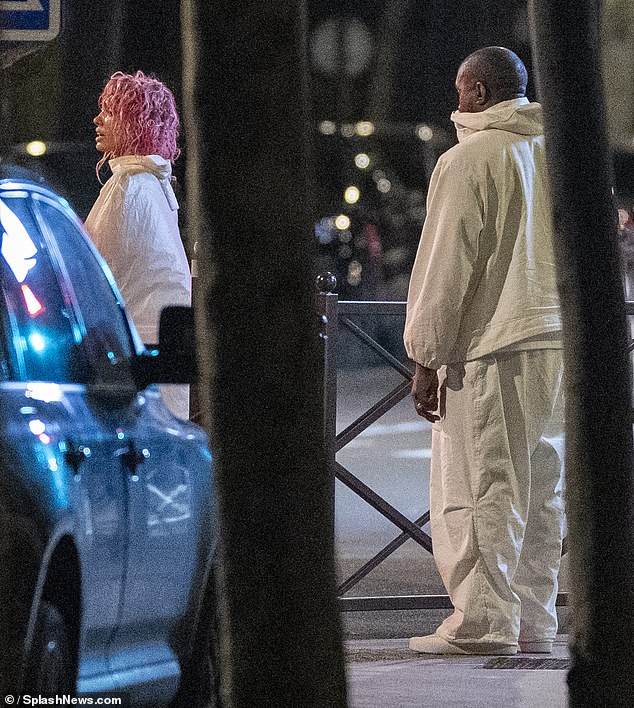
327 307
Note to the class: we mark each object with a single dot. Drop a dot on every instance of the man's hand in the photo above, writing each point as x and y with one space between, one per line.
425 392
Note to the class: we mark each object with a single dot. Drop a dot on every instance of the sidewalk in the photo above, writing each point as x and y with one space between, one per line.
383 673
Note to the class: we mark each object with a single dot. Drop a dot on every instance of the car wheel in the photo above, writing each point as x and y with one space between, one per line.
200 678
49 670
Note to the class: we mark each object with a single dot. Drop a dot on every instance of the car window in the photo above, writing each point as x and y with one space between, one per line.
8 366
44 336
105 332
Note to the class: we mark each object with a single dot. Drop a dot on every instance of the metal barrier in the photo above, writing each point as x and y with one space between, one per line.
334 316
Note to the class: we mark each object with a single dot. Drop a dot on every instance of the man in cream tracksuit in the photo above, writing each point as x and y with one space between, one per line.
483 326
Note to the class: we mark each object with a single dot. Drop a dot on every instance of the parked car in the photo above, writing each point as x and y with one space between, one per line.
107 515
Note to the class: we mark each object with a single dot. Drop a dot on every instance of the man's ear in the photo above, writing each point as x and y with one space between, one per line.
482 93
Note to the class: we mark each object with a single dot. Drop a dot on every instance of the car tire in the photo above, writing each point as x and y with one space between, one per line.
49 668
200 678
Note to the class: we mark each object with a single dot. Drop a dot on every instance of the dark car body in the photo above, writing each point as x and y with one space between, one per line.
107 520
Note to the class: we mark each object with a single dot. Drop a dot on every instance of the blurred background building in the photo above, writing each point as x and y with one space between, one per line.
382 74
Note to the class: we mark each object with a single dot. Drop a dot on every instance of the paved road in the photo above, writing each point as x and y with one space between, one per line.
384 674
392 457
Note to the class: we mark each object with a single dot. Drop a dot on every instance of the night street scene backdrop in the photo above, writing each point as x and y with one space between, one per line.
381 87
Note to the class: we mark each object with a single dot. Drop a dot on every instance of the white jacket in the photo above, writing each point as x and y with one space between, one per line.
484 275
134 224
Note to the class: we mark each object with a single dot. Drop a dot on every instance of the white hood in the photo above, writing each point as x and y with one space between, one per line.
518 116
155 165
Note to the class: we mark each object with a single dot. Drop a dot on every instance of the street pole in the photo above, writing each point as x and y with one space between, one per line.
118 17
393 25
247 132
598 417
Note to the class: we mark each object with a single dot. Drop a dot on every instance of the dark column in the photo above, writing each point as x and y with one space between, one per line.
598 426
4 64
245 112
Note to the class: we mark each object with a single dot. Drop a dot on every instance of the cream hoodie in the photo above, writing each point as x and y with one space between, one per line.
484 275
134 224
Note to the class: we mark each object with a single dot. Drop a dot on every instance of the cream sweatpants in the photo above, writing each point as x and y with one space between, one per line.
496 499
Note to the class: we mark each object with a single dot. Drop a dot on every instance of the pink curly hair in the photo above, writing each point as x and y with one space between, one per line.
143 114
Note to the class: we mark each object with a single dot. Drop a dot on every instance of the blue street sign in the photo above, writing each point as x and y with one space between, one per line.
29 20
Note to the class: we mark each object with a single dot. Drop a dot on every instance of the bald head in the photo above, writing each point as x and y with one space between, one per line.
489 76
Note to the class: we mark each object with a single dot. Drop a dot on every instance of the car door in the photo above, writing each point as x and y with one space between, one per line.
51 403
107 350
172 529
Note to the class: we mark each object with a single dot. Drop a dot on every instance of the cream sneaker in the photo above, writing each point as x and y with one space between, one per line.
434 644
536 647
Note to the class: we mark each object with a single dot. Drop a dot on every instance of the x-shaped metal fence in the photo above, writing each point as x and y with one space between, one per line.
336 315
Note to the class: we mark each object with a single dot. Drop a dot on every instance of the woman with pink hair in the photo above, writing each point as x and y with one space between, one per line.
134 222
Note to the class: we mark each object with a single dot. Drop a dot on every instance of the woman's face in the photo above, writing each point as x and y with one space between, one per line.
104 139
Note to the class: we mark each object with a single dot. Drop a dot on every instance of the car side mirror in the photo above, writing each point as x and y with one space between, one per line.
174 359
